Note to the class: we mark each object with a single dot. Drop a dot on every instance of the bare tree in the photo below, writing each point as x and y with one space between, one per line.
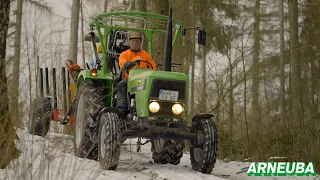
255 67
8 150
105 5
73 49
204 81
191 111
159 7
295 70
82 32
141 5
282 75
282 72
16 66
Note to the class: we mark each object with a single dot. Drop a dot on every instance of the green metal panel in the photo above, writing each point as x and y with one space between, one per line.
140 83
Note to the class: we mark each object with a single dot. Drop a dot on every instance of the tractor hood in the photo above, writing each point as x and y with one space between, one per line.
147 73
164 87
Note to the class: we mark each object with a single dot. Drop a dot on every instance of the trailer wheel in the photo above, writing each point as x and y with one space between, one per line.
167 151
109 140
204 149
39 118
91 96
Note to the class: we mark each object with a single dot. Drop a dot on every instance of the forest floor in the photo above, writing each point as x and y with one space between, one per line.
52 157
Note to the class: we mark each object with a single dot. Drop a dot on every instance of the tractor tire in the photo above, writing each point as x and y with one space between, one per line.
167 151
40 116
109 140
204 149
91 96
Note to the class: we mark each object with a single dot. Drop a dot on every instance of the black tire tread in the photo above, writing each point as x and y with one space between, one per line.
94 99
210 145
113 140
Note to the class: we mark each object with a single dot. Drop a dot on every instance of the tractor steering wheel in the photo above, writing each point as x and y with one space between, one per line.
137 62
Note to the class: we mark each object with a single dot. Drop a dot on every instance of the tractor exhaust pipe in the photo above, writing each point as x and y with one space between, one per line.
168 46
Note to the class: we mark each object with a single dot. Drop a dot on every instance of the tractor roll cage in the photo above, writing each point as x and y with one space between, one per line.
148 23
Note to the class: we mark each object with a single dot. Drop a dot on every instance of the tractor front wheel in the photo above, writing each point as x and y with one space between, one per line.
204 149
40 116
109 140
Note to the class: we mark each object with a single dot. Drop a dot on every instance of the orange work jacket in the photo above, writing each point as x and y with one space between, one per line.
129 56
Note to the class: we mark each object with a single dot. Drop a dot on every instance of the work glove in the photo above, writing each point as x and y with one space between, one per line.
129 65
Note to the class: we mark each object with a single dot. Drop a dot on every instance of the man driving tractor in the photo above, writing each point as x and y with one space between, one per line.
127 61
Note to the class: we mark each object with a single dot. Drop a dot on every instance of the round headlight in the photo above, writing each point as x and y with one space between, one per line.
154 107
177 109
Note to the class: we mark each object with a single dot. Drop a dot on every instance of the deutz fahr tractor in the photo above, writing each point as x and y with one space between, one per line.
157 99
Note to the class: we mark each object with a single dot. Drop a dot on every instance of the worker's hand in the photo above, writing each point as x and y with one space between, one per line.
129 65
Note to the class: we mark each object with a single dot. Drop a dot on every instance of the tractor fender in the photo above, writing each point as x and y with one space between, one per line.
107 109
110 109
202 116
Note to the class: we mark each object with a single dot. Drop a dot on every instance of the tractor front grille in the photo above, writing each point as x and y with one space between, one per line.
173 85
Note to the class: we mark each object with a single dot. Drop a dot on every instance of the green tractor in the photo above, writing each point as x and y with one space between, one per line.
157 100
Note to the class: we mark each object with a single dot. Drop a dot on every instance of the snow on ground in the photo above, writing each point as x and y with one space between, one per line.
51 158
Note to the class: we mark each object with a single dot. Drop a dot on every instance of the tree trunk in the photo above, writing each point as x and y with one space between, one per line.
159 7
141 6
105 6
192 64
282 74
204 80
8 150
245 93
294 54
314 85
16 67
255 68
82 32
181 53
230 108
282 63
73 49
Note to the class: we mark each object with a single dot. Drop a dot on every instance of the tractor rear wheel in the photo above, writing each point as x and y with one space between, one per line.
109 140
167 151
91 96
40 116
204 149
